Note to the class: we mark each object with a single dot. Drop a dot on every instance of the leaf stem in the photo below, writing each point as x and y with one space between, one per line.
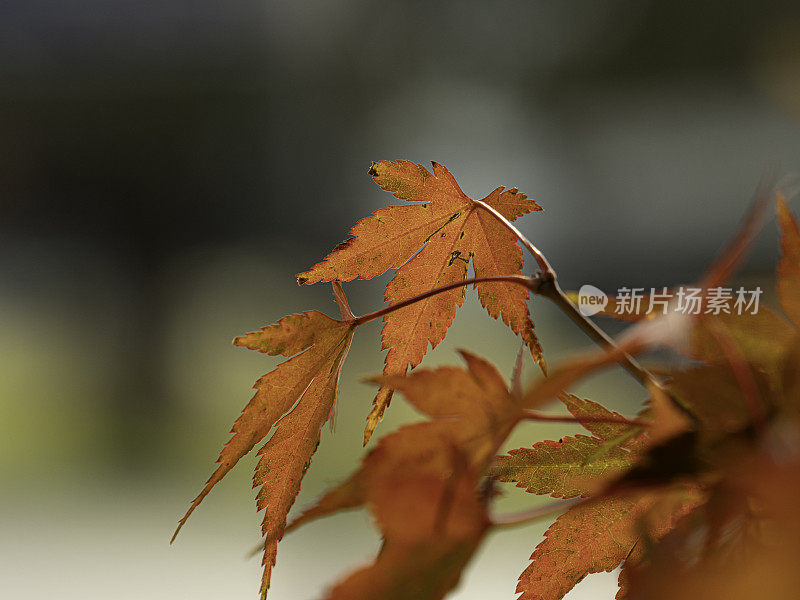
550 289
341 300
532 283
544 266
534 514
532 415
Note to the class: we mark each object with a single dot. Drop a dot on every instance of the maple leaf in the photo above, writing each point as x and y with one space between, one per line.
760 338
420 483
714 397
569 467
662 520
789 396
472 411
431 527
743 543
296 399
431 245
789 265
595 536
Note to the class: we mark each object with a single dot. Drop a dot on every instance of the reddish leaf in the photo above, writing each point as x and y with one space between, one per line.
298 398
790 379
761 339
593 537
452 231
712 394
472 411
789 266
431 527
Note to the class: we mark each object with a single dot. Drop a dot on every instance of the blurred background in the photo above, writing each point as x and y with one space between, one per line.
167 167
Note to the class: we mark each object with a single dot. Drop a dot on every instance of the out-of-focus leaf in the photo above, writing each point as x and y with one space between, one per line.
431 526
789 265
761 339
712 394
472 412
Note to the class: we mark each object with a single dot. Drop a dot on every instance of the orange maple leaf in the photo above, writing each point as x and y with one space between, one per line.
421 483
431 527
789 266
472 411
452 230
297 398
597 536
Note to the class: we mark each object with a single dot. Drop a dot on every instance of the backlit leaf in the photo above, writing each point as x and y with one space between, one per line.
297 399
789 265
568 467
452 231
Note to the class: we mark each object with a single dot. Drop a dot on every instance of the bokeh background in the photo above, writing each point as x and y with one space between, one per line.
167 167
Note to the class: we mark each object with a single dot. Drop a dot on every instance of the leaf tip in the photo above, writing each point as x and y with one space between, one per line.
373 171
372 424
542 364
368 431
177 530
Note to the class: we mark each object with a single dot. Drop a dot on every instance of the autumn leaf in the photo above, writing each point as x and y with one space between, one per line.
593 537
743 543
789 265
569 467
715 451
431 245
472 411
713 396
431 527
664 518
760 338
420 482
412 449
296 399
789 397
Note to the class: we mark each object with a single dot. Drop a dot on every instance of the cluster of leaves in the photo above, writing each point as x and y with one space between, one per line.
705 477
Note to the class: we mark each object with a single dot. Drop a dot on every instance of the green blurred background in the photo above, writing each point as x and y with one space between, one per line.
167 167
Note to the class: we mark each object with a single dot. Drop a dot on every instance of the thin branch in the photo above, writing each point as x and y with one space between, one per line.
532 415
532 283
543 284
550 289
534 514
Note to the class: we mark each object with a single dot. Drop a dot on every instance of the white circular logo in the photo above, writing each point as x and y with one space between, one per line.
591 300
